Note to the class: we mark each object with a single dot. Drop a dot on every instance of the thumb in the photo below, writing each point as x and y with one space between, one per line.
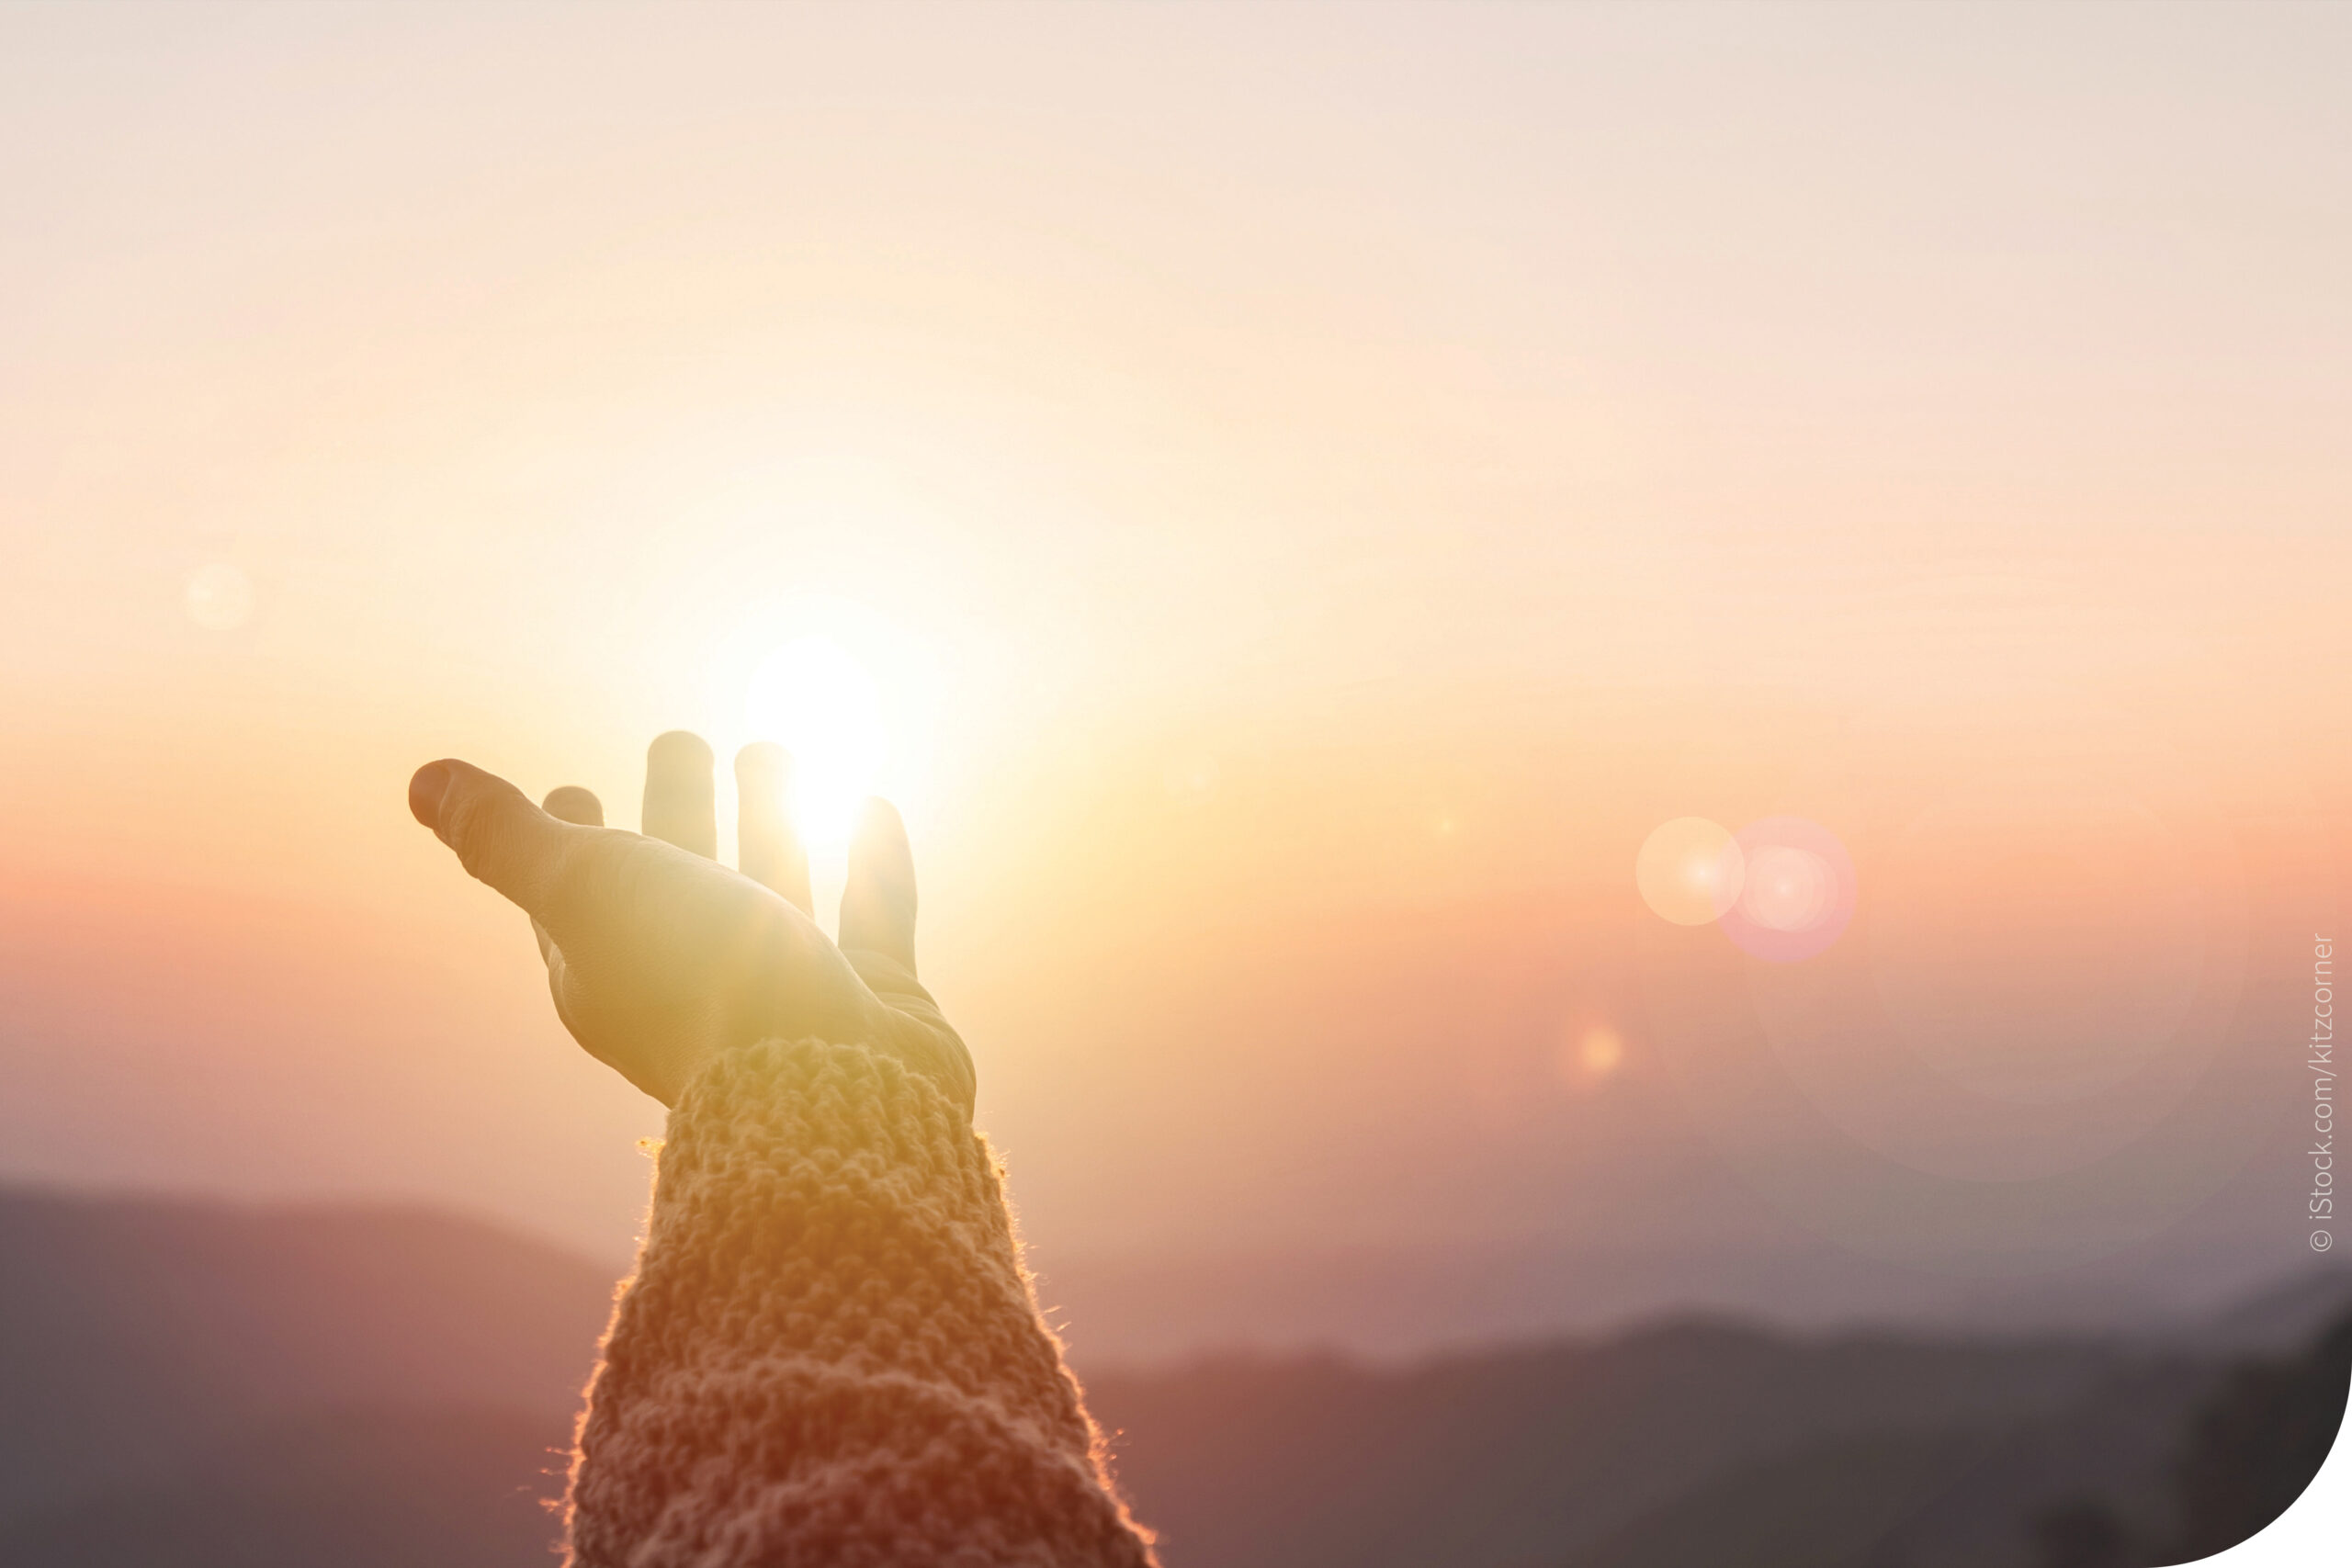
500 837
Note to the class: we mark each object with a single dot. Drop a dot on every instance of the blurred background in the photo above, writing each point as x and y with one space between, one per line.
1288 499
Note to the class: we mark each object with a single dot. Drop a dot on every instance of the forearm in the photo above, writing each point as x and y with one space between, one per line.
830 1354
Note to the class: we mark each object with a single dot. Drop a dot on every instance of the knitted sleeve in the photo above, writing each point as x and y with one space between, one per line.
830 1354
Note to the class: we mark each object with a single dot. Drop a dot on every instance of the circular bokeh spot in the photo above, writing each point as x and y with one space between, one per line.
1788 889
1798 893
1689 870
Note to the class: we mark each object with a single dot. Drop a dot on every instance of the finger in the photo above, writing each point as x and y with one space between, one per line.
570 803
766 847
678 793
500 837
878 903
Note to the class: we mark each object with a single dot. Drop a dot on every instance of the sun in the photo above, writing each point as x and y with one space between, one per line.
814 699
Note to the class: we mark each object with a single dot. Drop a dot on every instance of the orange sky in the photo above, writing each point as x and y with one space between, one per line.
1316 489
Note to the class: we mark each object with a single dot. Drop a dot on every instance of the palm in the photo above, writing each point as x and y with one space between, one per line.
658 957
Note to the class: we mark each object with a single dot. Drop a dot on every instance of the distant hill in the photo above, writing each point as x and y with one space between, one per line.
2286 1317
1400 1301
1539 1455
1930 1493
137 1333
357 1488
215 1387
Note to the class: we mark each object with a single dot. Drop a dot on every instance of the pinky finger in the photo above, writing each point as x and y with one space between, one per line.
570 803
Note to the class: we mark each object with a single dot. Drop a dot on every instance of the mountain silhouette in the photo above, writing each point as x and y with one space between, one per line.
225 1387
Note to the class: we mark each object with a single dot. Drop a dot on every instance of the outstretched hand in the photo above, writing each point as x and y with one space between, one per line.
659 958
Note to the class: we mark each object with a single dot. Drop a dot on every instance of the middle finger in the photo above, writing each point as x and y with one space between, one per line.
679 804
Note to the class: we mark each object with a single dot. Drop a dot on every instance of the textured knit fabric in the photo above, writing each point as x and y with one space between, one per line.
830 1354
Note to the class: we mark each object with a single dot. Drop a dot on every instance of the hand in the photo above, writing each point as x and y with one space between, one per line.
659 958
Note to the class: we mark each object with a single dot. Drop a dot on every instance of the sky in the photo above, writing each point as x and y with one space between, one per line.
1306 491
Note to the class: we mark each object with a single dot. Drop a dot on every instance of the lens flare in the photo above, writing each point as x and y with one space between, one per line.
1689 870
1799 893
1784 888
1602 1052
1588 1055
1788 889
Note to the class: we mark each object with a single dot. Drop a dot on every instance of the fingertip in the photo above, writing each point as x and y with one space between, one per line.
878 822
570 803
498 835
763 762
678 748
426 788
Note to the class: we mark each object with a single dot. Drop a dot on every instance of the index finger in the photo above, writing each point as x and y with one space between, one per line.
499 836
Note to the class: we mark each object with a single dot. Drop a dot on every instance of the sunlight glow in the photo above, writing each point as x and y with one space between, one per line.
820 704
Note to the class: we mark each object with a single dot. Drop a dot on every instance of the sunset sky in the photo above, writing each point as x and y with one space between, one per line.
1310 490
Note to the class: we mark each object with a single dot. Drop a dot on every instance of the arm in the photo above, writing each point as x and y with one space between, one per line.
829 1353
